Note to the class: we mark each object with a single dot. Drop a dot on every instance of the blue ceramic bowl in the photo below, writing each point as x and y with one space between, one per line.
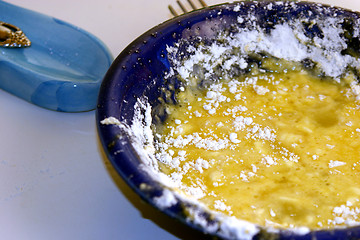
141 69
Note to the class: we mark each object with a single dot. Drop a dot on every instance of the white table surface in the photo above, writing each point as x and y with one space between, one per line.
55 182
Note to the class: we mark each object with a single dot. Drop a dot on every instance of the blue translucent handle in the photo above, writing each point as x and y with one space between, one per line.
63 68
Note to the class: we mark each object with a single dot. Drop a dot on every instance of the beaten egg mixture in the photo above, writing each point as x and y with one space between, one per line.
276 149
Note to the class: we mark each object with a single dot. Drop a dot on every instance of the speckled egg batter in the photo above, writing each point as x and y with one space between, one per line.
276 149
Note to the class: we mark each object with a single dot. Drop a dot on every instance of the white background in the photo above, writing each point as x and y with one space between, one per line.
55 182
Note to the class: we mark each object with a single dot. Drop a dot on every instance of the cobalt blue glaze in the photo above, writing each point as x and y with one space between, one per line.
63 68
140 71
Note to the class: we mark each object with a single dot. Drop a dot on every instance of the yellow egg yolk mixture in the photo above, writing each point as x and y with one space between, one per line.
275 149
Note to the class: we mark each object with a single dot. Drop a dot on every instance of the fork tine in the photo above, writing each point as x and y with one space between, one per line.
202 2
181 6
192 4
173 12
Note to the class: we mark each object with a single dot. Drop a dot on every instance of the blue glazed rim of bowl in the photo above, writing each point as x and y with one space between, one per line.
140 70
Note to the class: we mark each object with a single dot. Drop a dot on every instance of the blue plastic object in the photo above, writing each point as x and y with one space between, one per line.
140 70
63 68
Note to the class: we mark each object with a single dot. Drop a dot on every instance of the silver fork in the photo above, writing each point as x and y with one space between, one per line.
183 8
